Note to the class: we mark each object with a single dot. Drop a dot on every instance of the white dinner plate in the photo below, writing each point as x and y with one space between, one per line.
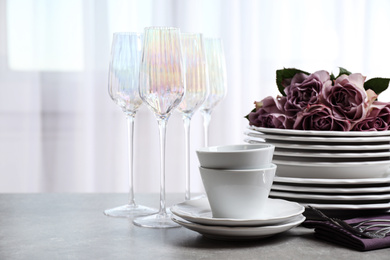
240 233
316 139
334 170
332 155
318 133
198 211
330 190
331 206
329 197
333 182
322 147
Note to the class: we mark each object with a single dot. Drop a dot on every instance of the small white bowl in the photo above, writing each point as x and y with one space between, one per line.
239 156
238 194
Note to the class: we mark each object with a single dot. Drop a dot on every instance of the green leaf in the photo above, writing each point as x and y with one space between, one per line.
343 71
378 85
286 74
247 116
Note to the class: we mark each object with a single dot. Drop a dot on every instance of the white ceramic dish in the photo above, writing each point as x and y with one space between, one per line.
330 190
334 170
239 194
240 233
240 156
334 182
322 147
300 159
331 206
198 211
316 139
331 155
330 198
318 133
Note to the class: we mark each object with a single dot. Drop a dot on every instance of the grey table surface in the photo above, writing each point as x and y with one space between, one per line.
73 226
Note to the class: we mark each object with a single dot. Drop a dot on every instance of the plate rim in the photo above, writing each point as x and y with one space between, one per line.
329 190
255 232
321 147
329 164
320 139
322 181
320 197
332 206
319 133
236 222
332 155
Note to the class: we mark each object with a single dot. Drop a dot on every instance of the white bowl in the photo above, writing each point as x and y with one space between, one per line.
238 194
239 156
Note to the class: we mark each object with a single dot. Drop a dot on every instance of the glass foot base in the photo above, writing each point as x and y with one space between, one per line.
201 196
129 211
160 220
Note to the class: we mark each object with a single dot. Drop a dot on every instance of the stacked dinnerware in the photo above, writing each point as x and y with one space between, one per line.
196 215
339 172
238 180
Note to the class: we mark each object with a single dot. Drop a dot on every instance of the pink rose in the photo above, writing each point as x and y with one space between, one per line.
269 113
305 90
320 117
378 118
347 97
371 124
381 110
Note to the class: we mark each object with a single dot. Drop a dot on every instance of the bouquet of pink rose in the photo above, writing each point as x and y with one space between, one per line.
322 101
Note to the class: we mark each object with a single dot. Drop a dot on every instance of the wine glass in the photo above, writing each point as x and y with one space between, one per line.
196 89
162 88
216 67
123 79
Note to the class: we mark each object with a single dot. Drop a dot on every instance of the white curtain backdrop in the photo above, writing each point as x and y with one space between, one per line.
60 131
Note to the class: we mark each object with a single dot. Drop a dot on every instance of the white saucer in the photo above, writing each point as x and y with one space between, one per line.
333 182
330 198
330 190
240 233
198 211
318 133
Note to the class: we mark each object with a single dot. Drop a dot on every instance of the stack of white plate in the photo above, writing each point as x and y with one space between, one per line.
280 216
329 170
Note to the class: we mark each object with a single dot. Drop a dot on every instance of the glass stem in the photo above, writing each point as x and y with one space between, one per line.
162 126
130 139
187 123
206 123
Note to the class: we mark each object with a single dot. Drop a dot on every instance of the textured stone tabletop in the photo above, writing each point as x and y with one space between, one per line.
73 226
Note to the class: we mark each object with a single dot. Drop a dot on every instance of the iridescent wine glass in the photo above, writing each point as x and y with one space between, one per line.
162 88
216 66
123 80
196 89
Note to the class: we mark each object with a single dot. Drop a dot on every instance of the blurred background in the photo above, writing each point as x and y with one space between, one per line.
61 132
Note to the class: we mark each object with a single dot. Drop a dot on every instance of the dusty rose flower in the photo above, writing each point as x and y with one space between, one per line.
319 117
269 113
378 118
305 90
371 124
381 110
347 97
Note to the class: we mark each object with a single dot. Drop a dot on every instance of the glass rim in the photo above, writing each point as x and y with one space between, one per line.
127 33
162 28
192 33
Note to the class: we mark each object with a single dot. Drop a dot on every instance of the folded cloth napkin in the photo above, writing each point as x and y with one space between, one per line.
326 230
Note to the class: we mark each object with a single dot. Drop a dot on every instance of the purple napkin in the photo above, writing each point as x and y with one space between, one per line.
326 230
